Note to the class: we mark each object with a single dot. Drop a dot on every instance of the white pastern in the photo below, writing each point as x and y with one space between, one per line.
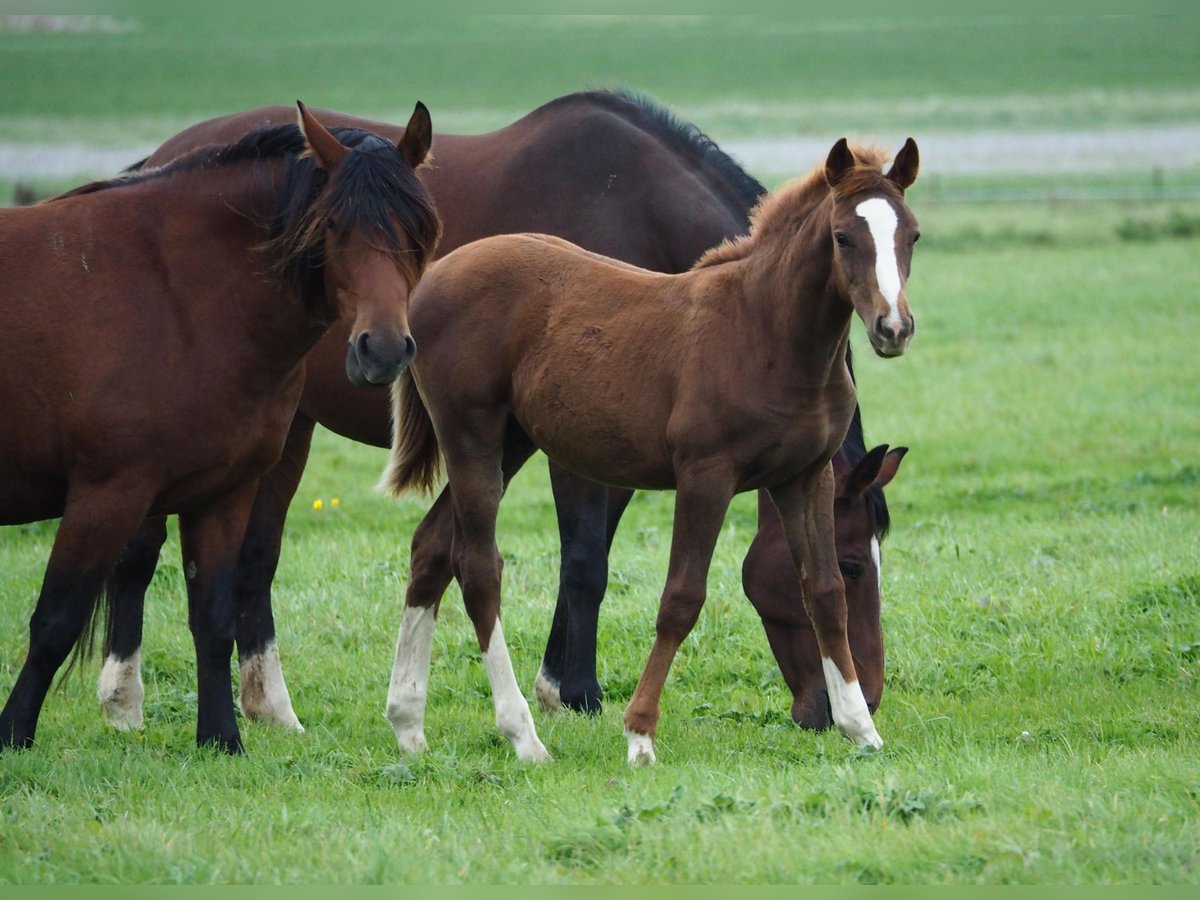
882 222
875 558
409 687
120 692
264 694
641 749
849 707
512 711
546 691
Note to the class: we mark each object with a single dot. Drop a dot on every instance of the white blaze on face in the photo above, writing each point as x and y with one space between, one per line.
882 222
876 559
849 707
512 712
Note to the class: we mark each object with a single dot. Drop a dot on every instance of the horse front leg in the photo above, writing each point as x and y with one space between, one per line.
806 508
700 503
119 687
211 539
263 693
97 522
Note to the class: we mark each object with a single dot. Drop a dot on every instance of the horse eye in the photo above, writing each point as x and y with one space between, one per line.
851 571
841 238
916 237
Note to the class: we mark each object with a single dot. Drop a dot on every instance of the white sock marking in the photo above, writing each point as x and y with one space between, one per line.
849 707
264 694
409 687
120 691
882 221
546 690
641 749
875 558
512 711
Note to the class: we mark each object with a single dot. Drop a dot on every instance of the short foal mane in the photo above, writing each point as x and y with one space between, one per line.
782 210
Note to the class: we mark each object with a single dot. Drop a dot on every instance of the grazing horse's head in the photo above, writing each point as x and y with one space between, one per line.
362 234
873 234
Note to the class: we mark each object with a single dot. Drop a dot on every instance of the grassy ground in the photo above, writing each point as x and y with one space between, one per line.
1042 582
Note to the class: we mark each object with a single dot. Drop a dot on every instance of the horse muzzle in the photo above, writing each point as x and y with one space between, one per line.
891 337
374 360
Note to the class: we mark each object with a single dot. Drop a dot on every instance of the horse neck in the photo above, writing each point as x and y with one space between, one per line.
790 284
233 209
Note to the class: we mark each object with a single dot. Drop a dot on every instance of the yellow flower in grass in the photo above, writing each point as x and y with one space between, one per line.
318 504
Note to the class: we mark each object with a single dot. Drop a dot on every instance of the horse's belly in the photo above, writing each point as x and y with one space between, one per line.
603 447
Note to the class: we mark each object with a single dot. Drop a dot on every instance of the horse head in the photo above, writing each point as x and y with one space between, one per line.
377 230
874 231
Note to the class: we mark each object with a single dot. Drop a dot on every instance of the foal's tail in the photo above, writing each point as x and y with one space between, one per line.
416 461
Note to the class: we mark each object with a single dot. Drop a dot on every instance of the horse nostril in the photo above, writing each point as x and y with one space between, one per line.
410 347
360 346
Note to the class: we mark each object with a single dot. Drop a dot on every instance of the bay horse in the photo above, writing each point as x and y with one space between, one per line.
729 377
155 325
616 174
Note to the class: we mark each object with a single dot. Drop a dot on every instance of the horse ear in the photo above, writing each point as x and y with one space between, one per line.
418 136
904 167
891 464
327 150
863 475
839 163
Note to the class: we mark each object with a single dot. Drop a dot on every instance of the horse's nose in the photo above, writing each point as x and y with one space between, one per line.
379 359
894 330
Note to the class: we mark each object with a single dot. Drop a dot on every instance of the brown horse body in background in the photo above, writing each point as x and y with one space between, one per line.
617 175
155 327
726 378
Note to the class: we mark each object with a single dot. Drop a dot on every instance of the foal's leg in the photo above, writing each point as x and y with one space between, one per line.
264 694
477 485
429 576
433 544
772 585
95 527
700 504
211 538
119 688
807 514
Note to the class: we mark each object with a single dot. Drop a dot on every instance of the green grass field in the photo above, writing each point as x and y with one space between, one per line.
1041 584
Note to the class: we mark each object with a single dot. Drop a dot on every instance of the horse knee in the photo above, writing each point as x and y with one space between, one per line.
679 610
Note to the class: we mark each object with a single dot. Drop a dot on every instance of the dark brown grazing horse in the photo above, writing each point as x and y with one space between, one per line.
612 173
155 327
729 377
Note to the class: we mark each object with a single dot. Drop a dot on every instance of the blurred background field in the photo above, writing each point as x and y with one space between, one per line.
1042 580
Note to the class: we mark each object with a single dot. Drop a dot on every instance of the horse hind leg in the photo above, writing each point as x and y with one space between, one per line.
119 687
567 678
476 489
430 575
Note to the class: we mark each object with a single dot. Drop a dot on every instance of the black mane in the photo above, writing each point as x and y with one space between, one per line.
373 191
270 142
